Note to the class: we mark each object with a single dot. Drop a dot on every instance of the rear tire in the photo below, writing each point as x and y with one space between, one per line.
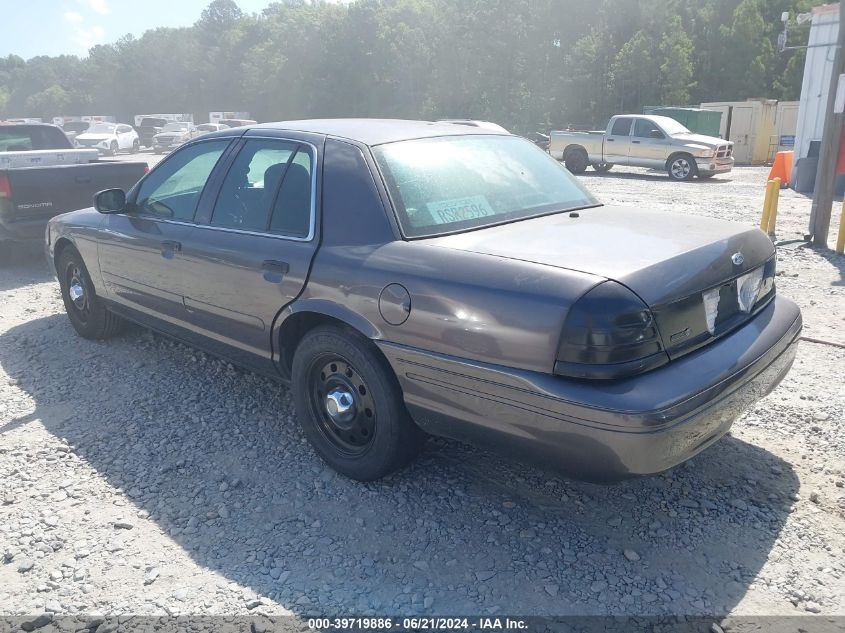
576 161
681 167
87 313
350 407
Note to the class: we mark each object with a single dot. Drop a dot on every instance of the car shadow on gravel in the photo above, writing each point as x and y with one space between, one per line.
660 176
22 264
214 457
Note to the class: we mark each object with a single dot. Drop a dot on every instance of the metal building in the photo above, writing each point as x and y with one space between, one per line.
824 30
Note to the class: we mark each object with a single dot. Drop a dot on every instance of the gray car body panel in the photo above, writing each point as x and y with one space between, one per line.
476 350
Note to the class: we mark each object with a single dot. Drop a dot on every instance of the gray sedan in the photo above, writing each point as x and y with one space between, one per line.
411 278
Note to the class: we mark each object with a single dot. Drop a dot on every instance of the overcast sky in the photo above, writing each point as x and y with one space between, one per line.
53 27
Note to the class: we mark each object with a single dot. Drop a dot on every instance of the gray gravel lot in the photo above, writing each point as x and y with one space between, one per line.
141 476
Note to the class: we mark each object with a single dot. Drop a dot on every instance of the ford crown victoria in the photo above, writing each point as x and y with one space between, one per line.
408 277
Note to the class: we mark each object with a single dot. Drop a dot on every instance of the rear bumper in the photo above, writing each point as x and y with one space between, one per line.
602 430
714 165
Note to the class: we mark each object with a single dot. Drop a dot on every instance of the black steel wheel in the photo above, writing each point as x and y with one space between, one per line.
350 405
342 404
87 313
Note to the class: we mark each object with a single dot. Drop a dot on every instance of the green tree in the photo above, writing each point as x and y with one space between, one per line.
676 70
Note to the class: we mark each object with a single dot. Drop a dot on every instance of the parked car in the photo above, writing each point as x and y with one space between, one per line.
42 175
148 127
110 138
487 125
73 129
656 142
411 277
237 122
205 128
173 135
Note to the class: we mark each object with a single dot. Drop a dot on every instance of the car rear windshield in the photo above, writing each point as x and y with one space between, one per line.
149 122
449 184
23 138
76 126
175 127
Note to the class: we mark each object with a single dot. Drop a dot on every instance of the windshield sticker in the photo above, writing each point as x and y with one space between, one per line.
459 209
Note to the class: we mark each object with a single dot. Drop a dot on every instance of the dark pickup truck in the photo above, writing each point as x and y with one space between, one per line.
42 175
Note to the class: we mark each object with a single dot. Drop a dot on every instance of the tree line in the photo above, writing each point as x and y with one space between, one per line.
526 64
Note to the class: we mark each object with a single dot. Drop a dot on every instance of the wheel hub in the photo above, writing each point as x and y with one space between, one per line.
76 292
340 405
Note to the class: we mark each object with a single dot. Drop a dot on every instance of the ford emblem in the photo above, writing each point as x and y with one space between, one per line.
737 259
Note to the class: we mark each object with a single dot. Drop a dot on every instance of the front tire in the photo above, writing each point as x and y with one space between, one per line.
681 168
350 407
87 313
113 148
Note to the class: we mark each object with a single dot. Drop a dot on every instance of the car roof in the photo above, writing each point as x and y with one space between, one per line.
373 131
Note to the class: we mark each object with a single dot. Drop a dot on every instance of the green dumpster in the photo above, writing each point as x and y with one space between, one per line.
700 121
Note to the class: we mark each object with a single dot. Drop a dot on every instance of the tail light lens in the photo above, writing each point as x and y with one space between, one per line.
609 333
5 189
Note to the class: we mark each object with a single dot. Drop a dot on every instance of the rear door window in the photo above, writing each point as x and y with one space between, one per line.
621 127
268 189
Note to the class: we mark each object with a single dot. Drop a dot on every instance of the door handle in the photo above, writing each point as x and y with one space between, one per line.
274 270
637 142
169 248
611 140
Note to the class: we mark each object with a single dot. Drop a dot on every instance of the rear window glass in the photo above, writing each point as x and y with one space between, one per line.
449 184
23 138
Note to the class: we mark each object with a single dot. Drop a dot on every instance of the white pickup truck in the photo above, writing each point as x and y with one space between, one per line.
655 142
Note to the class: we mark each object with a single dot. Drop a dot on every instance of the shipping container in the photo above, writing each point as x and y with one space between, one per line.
750 125
786 124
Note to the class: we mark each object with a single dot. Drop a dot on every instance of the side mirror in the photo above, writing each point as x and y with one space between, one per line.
110 201
656 134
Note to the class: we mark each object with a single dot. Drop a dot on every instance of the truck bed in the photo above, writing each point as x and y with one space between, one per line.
40 193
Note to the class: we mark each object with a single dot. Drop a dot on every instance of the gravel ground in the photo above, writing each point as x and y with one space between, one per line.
141 476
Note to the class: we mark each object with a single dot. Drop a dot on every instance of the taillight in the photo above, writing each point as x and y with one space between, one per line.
5 189
609 333
146 169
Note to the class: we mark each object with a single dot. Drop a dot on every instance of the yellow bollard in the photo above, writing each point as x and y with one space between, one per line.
773 208
767 205
840 240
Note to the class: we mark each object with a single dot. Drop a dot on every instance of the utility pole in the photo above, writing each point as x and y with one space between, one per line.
831 138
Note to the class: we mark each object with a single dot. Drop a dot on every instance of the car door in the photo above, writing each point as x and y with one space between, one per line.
650 144
618 142
140 251
251 255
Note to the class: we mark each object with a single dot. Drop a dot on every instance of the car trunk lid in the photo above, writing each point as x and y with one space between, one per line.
670 261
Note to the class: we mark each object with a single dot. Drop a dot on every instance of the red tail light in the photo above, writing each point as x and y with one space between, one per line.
5 189
146 169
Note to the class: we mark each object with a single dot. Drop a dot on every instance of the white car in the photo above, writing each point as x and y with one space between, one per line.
110 138
207 128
